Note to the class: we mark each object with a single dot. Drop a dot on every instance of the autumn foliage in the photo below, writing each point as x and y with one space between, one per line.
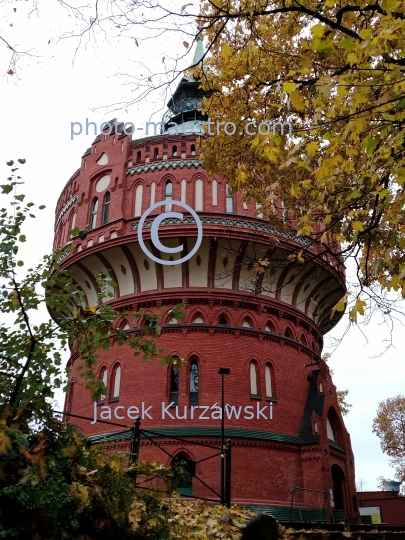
334 69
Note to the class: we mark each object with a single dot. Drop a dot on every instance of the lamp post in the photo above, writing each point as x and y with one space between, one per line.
223 371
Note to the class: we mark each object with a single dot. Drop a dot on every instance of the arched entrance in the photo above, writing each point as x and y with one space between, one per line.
183 472
338 479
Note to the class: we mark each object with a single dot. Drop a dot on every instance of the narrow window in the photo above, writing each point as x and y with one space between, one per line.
156 153
192 150
174 385
253 379
174 151
94 209
214 193
229 201
104 378
138 156
168 196
194 382
268 380
125 326
329 430
72 225
246 323
116 381
199 205
106 208
320 388
223 320
138 200
183 190
70 397
152 193
283 210
198 320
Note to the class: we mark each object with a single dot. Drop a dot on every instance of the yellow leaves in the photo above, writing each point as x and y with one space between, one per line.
289 87
226 51
69 451
295 190
297 256
15 302
318 30
358 226
365 33
80 492
4 442
114 465
312 148
358 308
390 5
340 306
297 100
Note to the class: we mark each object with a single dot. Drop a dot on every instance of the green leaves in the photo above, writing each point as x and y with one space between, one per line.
6 188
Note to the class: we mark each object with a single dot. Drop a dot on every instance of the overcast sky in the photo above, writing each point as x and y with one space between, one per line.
52 90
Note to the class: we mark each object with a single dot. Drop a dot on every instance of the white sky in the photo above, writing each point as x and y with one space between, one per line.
52 91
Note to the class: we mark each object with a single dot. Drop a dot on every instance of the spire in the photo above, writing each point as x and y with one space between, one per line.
185 102
199 50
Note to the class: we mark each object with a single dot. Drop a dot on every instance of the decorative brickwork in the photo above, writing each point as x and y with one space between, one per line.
234 317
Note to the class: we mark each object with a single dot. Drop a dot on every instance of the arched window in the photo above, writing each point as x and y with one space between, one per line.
199 203
138 200
106 208
94 209
125 326
174 151
253 379
174 385
288 333
194 382
168 196
268 376
183 472
104 378
173 320
229 201
192 150
156 153
198 320
303 340
138 157
223 320
116 382
246 323
270 327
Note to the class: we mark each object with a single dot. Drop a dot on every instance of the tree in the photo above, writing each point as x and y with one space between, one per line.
52 483
334 71
389 426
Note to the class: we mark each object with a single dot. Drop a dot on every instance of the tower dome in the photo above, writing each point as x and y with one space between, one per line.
250 308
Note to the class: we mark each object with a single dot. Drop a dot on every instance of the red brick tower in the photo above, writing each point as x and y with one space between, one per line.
266 327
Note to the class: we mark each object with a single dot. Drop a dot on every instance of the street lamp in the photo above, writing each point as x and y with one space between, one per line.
223 371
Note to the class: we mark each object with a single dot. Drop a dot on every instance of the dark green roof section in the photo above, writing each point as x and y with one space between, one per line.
336 445
202 432
315 403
